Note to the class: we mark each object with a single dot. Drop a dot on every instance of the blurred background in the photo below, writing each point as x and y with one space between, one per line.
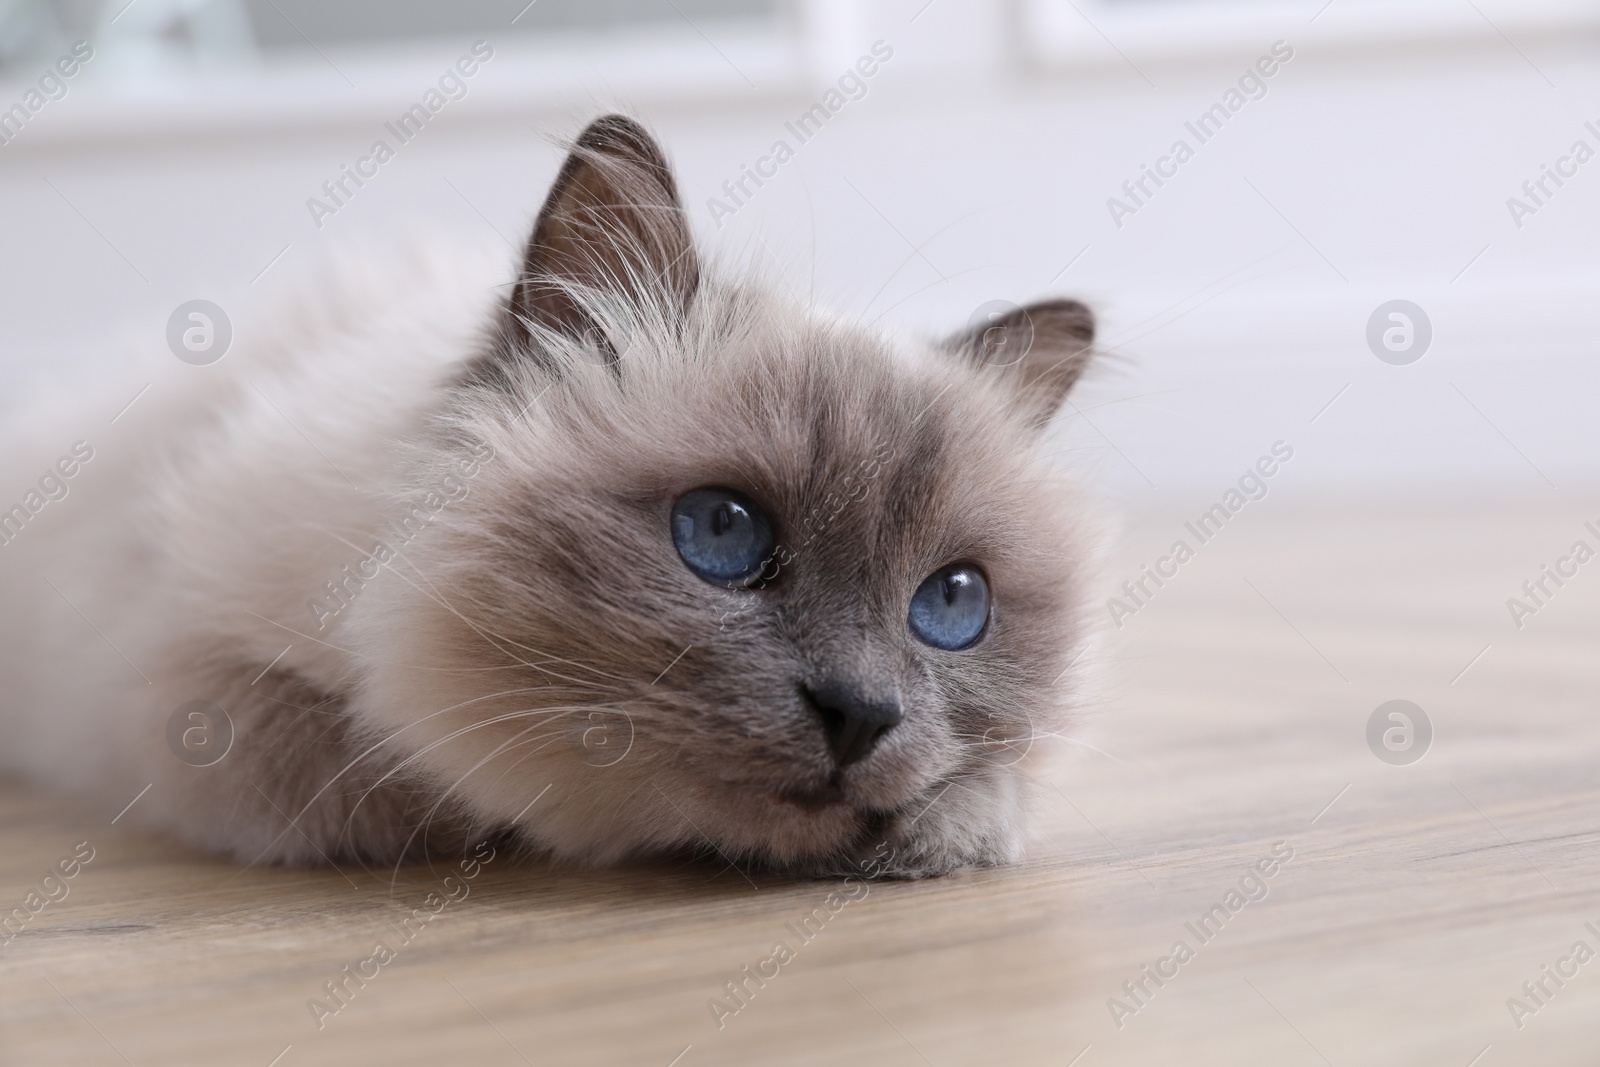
979 161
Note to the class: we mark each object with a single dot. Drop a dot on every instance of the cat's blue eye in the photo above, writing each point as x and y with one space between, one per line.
721 535
950 609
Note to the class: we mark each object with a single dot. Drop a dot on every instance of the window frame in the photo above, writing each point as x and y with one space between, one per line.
1090 35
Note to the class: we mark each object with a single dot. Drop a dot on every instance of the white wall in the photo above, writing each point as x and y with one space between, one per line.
975 167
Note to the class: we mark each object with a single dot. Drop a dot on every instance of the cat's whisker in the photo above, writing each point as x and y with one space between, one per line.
373 659
401 556
918 292
491 640
426 821
359 758
1011 744
917 251
513 741
545 714
404 851
517 661
1080 743
544 666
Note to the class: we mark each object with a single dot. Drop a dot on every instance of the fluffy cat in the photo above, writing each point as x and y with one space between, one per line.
622 558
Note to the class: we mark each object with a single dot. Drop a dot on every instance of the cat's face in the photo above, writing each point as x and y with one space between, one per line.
736 576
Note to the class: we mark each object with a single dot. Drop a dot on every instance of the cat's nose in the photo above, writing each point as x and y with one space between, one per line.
852 721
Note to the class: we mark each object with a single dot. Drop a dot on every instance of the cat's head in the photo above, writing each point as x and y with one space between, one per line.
735 575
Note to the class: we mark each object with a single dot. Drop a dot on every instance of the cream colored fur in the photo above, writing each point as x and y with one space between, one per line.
463 690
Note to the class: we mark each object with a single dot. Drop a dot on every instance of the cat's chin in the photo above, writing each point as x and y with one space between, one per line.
866 799
934 831
792 825
813 798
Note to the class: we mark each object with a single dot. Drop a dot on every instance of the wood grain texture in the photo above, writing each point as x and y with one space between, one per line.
1418 899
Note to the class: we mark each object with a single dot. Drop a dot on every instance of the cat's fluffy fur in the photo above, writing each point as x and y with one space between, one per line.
539 641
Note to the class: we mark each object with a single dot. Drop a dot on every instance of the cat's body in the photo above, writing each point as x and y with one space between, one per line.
416 539
202 515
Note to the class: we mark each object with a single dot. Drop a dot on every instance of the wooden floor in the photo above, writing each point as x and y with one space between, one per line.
1418 899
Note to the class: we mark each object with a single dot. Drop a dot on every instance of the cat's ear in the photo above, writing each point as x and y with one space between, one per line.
1039 349
612 225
